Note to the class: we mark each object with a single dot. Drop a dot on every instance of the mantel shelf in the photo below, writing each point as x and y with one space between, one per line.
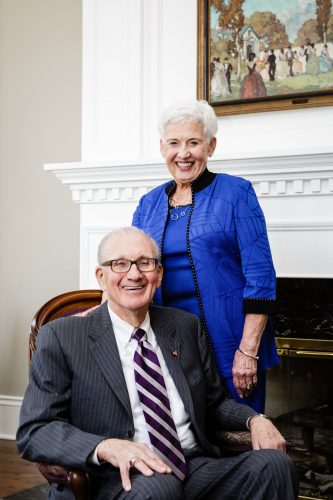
294 175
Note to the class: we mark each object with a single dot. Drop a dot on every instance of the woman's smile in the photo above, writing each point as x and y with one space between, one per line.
186 150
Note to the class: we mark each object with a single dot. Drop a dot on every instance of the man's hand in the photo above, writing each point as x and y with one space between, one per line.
126 454
87 312
265 435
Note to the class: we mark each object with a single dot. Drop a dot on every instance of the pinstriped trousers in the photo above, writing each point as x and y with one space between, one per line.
254 475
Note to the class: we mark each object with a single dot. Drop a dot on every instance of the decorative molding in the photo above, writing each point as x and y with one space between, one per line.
296 225
107 182
303 275
10 407
294 187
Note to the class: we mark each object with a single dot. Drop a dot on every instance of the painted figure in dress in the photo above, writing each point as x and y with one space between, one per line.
262 66
282 68
252 84
297 66
325 61
219 83
312 65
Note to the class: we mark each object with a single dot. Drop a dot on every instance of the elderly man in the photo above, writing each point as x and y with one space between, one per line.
129 392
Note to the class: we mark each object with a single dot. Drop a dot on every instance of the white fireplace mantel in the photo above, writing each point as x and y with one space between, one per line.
295 192
100 182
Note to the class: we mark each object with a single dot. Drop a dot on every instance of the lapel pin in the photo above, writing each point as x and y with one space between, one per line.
174 353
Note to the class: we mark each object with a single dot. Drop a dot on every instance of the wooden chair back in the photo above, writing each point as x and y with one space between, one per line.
66 304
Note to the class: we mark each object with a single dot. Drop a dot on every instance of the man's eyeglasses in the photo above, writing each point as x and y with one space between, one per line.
144 264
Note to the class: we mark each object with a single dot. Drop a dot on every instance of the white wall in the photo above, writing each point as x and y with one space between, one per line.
40 122
140 55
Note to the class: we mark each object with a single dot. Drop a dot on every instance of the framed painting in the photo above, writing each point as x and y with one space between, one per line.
265 55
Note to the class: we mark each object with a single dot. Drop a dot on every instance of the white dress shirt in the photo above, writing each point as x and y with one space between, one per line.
123 332
126 346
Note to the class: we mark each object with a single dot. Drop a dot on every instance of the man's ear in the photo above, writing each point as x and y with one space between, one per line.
100 276
160 275
162 147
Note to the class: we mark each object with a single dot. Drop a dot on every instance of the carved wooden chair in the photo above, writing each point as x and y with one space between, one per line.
79 481
65 304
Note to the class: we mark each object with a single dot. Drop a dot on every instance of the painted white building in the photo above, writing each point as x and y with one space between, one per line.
250 41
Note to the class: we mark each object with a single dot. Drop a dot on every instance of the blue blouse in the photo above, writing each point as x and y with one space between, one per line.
178 284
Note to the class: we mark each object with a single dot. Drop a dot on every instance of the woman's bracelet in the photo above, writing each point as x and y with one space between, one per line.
248 355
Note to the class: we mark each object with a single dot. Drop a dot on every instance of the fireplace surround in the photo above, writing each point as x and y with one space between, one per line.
299 391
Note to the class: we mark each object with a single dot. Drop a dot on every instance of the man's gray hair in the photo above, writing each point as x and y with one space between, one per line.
198 111
113 235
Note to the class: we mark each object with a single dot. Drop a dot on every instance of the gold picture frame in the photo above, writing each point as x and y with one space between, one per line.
226 42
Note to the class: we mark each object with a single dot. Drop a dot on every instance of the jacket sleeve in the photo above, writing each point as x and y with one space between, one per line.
259 294
44 433
136 220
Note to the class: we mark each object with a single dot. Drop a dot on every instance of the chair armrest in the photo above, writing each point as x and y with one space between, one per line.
79 482
233 442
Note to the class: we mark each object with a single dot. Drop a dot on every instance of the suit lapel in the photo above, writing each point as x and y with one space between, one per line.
168 341
105 351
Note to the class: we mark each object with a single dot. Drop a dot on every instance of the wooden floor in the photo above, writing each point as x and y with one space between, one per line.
16 474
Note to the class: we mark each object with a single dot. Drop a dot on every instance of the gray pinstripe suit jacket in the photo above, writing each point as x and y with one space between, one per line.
77 394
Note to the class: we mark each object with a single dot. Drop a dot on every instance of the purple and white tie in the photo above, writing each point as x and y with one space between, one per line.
155 404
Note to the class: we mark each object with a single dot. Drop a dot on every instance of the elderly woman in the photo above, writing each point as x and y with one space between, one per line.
215 251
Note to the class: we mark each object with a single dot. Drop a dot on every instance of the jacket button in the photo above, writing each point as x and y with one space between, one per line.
130 434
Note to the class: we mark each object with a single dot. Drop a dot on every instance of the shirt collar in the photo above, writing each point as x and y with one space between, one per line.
123 331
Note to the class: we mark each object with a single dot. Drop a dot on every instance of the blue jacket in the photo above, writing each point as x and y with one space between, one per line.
230 255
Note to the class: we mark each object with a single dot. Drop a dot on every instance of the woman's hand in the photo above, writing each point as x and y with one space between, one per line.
87 312
244 370
244 374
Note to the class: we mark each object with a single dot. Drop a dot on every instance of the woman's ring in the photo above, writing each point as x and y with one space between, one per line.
133 460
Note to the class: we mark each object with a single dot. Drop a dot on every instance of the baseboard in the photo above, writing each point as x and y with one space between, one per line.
9 416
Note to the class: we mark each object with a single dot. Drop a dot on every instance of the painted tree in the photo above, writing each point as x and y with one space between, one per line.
269 28
232 21
323 12
307 33
330 29
218 4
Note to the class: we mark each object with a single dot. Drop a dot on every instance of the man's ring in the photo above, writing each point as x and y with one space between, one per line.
249 386
133 460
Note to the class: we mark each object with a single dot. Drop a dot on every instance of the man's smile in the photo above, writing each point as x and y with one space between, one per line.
133 287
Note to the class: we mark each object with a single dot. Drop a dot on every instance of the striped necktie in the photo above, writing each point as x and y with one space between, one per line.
156 406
